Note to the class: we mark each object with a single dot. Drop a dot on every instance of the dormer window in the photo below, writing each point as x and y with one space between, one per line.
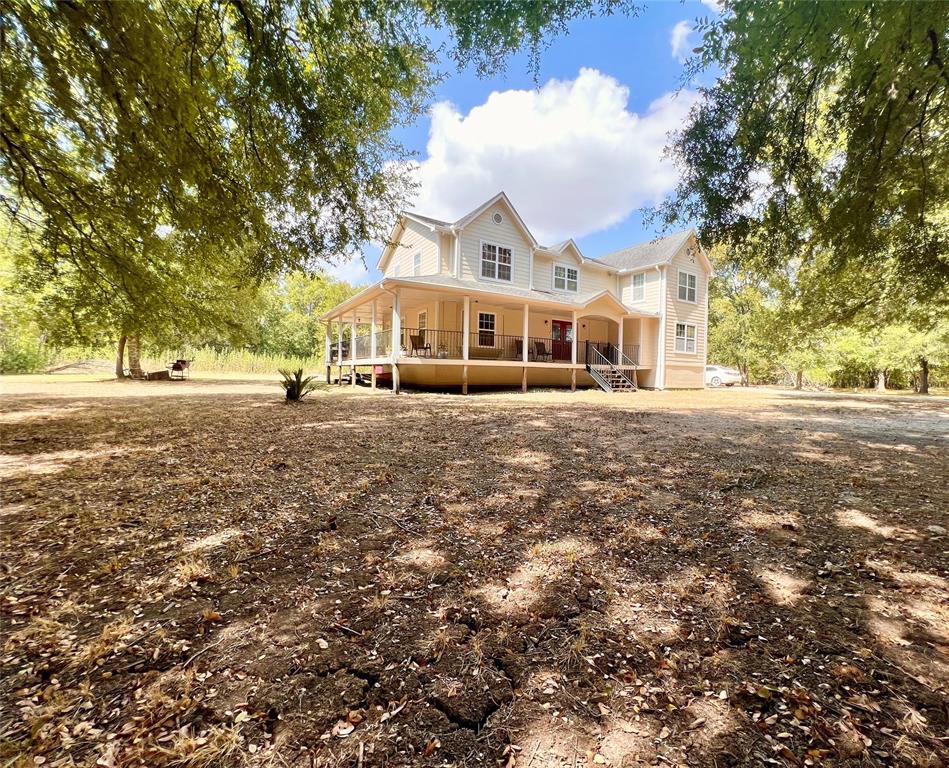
566 278
495 262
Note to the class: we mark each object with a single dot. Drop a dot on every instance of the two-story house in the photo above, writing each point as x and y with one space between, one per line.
480 302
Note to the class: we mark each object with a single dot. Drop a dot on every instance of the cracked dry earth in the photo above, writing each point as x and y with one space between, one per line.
199 575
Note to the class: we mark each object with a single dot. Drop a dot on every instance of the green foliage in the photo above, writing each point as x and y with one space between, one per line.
765 328
297 386
289 322
169 157
823 140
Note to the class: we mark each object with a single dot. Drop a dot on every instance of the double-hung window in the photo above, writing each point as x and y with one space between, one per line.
566 278
417 264
639 287
688 289
486 326
495 262
685 338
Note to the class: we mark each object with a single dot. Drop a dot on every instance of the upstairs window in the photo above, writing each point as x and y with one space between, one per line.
566 278
688 283
417 264
639 287
685 338
495 262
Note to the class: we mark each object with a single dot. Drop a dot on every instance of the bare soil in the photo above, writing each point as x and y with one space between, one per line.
198 574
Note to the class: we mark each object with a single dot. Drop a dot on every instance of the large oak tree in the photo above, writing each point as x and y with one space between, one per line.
168 150
823 139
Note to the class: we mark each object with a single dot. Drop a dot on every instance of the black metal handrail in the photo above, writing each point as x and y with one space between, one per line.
432 343
598 361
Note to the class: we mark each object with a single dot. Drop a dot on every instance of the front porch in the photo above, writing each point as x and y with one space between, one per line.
422 329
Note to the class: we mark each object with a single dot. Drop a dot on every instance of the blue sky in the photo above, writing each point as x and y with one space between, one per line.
578 149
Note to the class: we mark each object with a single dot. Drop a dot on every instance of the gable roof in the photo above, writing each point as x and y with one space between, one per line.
500 197
427 220
658 251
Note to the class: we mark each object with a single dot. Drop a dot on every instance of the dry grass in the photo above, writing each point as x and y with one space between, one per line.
198 575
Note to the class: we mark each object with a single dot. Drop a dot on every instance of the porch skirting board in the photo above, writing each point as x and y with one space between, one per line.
465 376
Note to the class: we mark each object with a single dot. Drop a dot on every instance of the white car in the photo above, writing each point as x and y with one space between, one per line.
717 376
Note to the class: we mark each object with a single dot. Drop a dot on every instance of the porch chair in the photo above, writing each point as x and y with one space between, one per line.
179 369
420 346
541 352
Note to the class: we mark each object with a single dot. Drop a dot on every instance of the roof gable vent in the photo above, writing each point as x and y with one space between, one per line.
497 218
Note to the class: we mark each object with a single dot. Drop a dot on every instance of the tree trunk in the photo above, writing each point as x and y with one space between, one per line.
799 380
120 359
923 376
135 363
881 381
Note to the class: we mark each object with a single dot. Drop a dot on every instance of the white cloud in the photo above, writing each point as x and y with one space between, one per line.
571 156
715 5
679 40
352 271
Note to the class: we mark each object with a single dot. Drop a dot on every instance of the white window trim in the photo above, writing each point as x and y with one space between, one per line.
676 337
417 264
553 277
494 331
696 276
421 314
632 287
481 245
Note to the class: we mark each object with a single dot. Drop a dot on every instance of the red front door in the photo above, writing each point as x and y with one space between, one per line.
561 335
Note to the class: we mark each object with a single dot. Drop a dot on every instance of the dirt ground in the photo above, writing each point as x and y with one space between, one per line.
196 574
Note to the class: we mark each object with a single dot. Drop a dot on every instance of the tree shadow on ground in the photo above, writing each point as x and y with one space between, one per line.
425 580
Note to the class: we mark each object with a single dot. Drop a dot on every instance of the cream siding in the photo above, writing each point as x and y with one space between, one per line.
685 369
415 239
594 280
446 253
651 288
507 234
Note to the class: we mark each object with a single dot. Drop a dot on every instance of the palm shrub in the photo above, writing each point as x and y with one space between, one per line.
296 384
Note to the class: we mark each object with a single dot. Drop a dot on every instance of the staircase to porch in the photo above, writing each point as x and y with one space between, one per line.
610 368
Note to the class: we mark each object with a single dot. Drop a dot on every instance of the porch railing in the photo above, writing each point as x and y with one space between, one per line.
432 343
631 351
363 346
439 344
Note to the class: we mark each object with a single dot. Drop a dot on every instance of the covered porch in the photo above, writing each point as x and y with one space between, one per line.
404 326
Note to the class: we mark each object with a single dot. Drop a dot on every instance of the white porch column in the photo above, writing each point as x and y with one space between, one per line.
339 349
465 327
352 337
573 345
372 330
396 326
352 350
327 350
619 338
526 332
